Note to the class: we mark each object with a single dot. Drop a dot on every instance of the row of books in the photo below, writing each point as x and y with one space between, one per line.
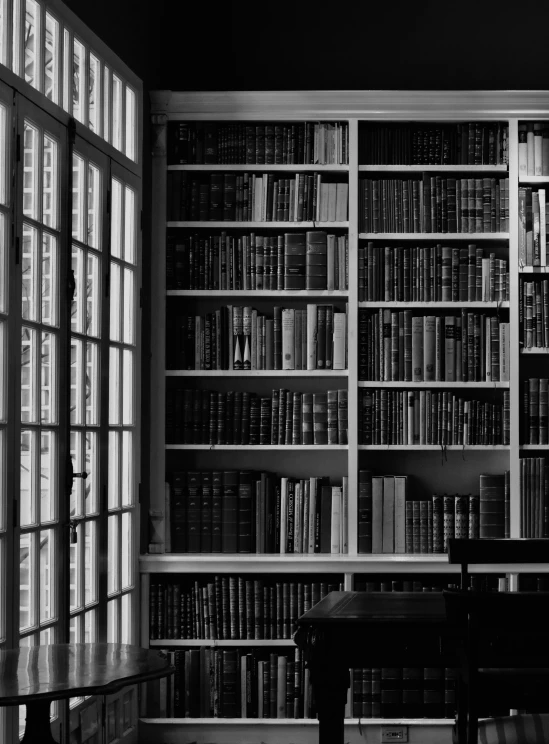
246 511
535 402
390 521
237 337
534 497
403 417
433 273
321 143
231 607
226 261
466 143
533 148
534 314
246 418
533 214
398 346
434 205
256 197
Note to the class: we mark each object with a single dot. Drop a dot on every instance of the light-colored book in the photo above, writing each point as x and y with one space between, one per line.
335 545
388 514
429 347
311 336
283 513
504 352
340 340
288 331
400 513
377 514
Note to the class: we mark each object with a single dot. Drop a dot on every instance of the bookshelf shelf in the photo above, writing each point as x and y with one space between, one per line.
535 350
260 447
274 293
533 179
283 722
499 169
437 447
263 225
264 168
534 269
418 237
436 305
429 385
533 447
258 373
244 643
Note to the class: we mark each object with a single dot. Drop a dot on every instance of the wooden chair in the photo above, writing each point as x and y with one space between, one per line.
503 637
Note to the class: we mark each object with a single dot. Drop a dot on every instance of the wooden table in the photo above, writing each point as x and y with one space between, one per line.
36 675
369 629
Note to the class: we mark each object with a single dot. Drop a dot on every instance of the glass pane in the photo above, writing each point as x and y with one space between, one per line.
78 196
29 354
27 489
130 123
90 626
129 226
50 209
48 484
51 59
3 375
4 25
31 166
77 381
128 316
94 109
76 553
2 490
92 296
3 153
127 550
116 218
3 267
46 637
92 469
67 82
114 386
76 499
30 274
106 104
32 35
17 40
47 575
75 635
90 563
2 592
127 389
50 273
116 112
127 469
78 80
92 384
27 580
126 617
113 496
48 363
77 307
112 621
115 302
113 576
94 207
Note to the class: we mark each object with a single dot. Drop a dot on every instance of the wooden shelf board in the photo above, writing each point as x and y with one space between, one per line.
185 642
296 293
450 168
437 385
533 179
296 721
260 447
535 350
435 305
308 225
435 447
263 167
534 269
257 373
472 237
533 447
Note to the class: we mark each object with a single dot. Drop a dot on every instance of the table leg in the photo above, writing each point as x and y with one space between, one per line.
330 689
37 727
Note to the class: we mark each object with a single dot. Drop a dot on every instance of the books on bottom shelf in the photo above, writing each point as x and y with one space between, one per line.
391 521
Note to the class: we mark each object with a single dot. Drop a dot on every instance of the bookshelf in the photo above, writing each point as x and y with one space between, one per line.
433 468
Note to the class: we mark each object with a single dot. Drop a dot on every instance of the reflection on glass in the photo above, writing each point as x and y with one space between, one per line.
78 300
113 577
90 563
116 112
74 630
16 37
78 196
31 167
32 35
4 32
48 379
48 481
127 469
94 107
126 550
76 505
112 621
77 382
46 637
116 218
113 496
116 302
92 384
3 152
3 267
114 386
27 486
47 575
67 83
129 307
90 626
127 389
2 495
76 589
51 59
107 104
131 123
94 207
3 412
92 469
129 225
29 353
3 586
92 296
126 617
30 273
49 283
27 580
50 183
78 79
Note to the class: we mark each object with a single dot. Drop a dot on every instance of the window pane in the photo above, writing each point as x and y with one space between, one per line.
3 153
114 386
116 112
78 300
76 500
3 267
128 316
112 621
3 375
115 302
30 270
94 109
78 196
50 208
130 123
76 551
51 59
92 469
113 577
127 550
129 226
116 218
32 34
50 273
127 469
2 589
48 479
48 364
17 40
2 490
67 79
106 104
75 633
77 381
27 580
27 488
94 207
92 384
126 617
4 26
47 575
78 80
127 389
29 353
48 636
90 563
31 166
114 470
90 626
92 296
